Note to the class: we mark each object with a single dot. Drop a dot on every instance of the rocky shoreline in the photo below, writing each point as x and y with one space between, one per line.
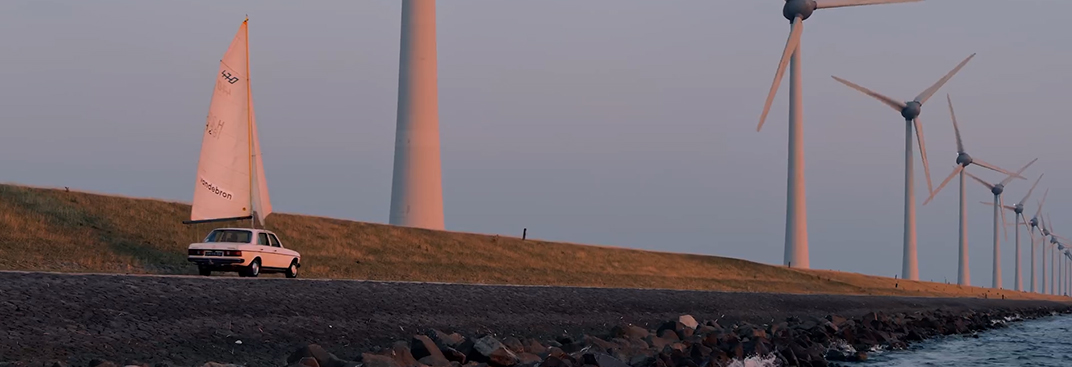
187 321
684 342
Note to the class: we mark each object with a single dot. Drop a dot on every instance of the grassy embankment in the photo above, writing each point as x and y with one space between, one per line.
54 230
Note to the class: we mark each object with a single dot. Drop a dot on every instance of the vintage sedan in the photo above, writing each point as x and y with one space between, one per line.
246 251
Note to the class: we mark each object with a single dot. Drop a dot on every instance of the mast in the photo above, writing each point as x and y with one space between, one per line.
249 129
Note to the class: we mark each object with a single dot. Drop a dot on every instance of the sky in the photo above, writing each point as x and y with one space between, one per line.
618 122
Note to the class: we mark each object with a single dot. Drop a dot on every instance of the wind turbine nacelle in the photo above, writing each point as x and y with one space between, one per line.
804 8
998 189
1033 222
911 110
964 159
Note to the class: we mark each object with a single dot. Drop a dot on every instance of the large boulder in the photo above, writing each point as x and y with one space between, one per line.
688 321
422 347
491 351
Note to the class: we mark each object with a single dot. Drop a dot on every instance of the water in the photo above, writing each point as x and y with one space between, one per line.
1040 342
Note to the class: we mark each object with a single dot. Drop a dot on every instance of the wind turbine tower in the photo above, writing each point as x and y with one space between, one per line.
997 189
963 161
417 186
910 110
1033 224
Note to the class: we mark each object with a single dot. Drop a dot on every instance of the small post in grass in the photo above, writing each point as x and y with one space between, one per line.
524 233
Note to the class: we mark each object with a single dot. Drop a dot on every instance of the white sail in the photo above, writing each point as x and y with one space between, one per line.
230 175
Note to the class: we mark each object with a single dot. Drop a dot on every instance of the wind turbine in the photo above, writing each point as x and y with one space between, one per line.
1032 225
963 161
998 201
1045 233
796 217
1057 239
1018 215
910 111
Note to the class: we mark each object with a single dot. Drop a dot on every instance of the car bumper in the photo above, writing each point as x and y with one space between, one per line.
215 261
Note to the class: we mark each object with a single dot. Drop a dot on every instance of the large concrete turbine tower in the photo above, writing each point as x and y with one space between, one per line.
910 110
997 190
796 216
417 186
963 161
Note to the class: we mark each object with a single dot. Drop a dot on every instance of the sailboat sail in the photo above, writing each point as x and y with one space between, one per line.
262 206
230 175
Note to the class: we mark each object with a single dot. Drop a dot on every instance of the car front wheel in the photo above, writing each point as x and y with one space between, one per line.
292 270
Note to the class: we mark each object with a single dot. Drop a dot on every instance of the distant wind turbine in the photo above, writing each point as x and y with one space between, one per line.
1057 239
963 161
1033 224
796 217
910 111
998 201
1046 239
1018 215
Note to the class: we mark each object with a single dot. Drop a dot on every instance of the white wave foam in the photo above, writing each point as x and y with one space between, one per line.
756 361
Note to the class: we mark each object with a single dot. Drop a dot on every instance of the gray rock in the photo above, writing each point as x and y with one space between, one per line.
442 339
422 346
494 352
306 362
688 321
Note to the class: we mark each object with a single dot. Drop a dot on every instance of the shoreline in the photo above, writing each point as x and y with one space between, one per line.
189 321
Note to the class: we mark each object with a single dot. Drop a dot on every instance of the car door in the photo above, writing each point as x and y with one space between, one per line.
285 255
269 258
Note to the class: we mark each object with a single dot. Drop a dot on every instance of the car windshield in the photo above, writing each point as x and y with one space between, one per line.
229 235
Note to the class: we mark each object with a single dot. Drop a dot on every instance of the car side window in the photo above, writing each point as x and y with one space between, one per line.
275 241
262 239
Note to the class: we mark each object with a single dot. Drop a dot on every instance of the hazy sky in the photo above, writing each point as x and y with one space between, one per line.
619 122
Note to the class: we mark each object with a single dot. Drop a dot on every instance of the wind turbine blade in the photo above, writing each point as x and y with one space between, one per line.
1029 230
893 103
990 203
923 97
1039 211
988 185
790 46
994 168
826 4
923 154
1022 201
1004 226
1007 179
956 129
947 179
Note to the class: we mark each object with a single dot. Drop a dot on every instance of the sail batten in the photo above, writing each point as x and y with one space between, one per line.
230 173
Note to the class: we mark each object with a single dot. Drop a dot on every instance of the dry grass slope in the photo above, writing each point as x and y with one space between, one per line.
54 230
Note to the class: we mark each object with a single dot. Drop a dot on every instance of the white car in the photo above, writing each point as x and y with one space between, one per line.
247 251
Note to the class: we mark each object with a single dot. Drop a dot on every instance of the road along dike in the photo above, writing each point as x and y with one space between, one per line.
104 320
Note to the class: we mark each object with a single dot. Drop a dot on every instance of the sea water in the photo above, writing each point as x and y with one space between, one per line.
1040 342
